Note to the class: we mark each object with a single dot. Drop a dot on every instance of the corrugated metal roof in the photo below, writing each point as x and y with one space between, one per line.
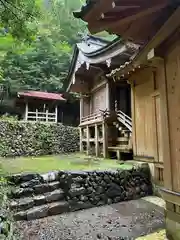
42 95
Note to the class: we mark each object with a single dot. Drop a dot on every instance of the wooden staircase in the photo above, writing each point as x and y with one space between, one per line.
121 144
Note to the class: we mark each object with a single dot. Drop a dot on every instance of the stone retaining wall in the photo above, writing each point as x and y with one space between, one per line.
19 138
38 196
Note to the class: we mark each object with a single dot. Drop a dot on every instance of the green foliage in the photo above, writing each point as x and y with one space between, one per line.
43 63
6 117
33 138
17 17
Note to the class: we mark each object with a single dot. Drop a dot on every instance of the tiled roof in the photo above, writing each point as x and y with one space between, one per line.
42 95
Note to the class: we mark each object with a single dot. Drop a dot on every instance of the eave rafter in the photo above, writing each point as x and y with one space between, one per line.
117 18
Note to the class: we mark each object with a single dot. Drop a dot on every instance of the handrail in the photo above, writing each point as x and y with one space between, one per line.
119 111
121 117
90 117
125 120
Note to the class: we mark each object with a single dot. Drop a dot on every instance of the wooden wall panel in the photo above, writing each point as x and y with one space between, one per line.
143 114
98 100
86 107
173 96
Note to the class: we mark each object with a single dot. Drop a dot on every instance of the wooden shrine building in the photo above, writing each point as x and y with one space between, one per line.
105 106
40 106
154 74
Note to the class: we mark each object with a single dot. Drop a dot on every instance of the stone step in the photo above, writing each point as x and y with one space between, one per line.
20 178
43 211
34 190
29 202
29 178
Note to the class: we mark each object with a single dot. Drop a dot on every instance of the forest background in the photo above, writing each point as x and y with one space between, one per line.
36 44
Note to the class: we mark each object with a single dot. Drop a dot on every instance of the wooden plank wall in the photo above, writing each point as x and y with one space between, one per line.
86 106
172 63
98 99
143 114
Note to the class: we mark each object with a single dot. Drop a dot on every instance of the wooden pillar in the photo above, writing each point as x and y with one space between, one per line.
171 134
81 108
165 127
134 145
56 114
107 97
36 114
87 140
26 112
46 115
96 140
81 137
104 132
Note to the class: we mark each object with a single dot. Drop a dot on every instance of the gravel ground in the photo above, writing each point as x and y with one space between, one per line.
126 220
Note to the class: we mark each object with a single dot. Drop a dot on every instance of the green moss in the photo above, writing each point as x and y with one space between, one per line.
59 162
172 229
159 235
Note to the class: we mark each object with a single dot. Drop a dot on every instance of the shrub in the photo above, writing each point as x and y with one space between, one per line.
33 138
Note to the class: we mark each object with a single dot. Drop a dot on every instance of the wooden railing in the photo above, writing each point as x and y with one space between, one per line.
121 118
91 117
125 120
41 116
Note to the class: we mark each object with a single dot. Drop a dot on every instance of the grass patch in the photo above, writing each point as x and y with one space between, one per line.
60 162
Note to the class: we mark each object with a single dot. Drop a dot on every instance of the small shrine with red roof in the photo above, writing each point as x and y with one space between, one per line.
40 106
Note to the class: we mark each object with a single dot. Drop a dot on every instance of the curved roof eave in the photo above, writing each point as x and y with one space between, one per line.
72 66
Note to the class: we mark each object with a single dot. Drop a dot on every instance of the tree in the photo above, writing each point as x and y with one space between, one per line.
38 69
43 63
17 16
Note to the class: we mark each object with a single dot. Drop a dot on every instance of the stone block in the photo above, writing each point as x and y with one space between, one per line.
50 176
20 216
30 183
76 191
21 192
58 208
42 188
37 212
54 185
56 195
39 200
25 204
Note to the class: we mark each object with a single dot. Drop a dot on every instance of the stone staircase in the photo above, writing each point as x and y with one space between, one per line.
37 196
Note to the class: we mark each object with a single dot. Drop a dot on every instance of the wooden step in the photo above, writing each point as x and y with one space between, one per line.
121 148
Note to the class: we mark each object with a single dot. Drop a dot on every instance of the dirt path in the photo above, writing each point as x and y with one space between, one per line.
127 220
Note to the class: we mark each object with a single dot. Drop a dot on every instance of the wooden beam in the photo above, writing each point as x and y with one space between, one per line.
101 25
166 30
96 11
